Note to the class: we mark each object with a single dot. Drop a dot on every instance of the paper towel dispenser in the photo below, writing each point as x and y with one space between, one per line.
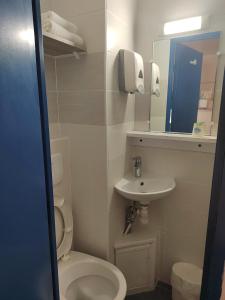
131 72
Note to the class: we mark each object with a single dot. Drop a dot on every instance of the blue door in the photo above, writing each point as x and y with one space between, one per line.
214 264
183 109
27 255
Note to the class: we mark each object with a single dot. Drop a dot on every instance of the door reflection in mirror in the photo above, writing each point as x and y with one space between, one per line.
188 69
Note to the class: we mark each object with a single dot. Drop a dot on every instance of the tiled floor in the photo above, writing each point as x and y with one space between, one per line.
160 293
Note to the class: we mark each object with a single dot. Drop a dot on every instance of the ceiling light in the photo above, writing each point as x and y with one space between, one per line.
184 25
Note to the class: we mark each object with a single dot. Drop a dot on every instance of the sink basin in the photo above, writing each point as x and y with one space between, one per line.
145 189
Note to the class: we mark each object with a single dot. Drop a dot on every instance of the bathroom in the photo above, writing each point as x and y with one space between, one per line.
132 194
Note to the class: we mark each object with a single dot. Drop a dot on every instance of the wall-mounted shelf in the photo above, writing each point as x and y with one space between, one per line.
185 142
56 46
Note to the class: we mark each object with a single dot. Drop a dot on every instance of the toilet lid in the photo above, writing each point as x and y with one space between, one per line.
64 227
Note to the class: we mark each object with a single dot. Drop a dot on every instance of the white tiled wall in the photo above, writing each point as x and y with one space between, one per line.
88 149
51 85
119 109
46 5
52 96
86 105
182 217
76 100
82 118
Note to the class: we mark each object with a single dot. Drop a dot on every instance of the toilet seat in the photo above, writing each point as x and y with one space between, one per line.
82 276
64 227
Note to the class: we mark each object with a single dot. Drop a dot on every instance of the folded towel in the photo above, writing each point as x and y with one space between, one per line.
56 29
52 16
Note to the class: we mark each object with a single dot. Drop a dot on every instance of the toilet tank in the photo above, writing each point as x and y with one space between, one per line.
137 261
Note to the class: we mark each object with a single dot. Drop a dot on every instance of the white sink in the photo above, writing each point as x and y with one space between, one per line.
145 189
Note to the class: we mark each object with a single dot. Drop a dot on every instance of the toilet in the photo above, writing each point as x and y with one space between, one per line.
186 281
81 276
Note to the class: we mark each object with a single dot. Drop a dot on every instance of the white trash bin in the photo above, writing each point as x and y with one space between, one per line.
186 281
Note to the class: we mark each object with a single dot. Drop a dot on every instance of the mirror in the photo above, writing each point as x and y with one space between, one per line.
188 68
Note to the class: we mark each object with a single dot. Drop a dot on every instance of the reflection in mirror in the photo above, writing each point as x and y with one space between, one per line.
188 71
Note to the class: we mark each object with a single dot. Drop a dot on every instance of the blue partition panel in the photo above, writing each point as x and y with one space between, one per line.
25 243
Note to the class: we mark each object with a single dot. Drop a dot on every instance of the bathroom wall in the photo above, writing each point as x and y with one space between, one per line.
149 27
81 87
120 18
182 217
95 115
86 105
76 100
51 85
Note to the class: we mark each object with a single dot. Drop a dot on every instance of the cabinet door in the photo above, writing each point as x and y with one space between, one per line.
138 266
27 257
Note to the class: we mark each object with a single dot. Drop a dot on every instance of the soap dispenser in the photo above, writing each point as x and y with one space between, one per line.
131 72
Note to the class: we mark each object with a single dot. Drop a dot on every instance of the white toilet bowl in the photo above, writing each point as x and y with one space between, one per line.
81 276
84 277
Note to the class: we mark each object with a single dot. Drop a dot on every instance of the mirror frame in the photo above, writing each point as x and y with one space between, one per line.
174 40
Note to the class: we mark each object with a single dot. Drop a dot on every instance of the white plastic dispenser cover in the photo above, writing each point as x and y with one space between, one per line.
57 168
155 80
131 72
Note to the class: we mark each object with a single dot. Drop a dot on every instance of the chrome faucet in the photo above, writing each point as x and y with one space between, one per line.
137 166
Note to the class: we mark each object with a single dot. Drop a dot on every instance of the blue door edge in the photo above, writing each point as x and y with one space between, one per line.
46 143
173 42
215 241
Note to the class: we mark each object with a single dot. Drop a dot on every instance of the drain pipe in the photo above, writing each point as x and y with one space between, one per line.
131 215
143 214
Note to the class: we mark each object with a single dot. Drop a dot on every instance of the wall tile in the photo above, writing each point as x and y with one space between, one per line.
193 167
112 71
46 5
82 107
142 107
119 34
77 7
52 107
125 10
55 130
89 187
92 29
120 107
50 73
117 141
81 74
184 226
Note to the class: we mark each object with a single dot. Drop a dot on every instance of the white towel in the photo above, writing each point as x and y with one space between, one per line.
52 16
56 29
155 80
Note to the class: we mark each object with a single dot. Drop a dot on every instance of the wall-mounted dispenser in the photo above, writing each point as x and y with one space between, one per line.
155 86
131 72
